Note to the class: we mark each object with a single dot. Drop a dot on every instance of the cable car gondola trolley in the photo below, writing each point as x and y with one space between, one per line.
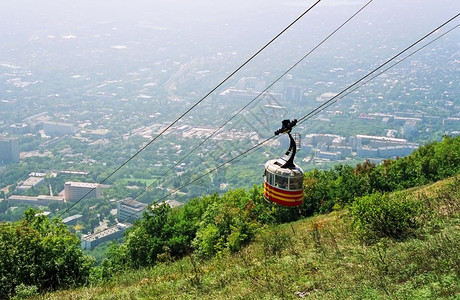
283 180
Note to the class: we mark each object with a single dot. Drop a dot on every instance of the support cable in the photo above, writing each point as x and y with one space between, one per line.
331 101
253 100
195 105
322 106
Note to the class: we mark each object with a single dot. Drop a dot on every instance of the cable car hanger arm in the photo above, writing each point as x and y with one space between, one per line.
287 161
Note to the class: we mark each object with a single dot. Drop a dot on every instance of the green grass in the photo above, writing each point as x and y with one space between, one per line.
315 258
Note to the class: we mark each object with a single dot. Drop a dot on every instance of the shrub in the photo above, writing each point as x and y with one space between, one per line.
208 241
25 291
274 242
378 215
39 254
223 227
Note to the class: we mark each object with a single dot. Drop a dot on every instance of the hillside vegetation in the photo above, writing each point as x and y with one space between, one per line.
322 257
238 244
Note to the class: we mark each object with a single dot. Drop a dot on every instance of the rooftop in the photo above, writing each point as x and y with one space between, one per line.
381 138
32 181
108 231
71 218
82 184
132 203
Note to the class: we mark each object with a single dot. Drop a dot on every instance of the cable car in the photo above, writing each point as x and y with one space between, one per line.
283 180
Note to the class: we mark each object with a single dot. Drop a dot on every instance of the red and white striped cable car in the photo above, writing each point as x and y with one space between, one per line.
284 179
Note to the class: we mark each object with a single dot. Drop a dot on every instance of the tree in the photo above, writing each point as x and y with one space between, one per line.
37 251
377 216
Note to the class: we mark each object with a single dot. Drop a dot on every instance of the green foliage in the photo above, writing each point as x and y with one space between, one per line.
146 240
116 261
377 216
325 188
162 232
318 258
342 184
208 241
40 252
23 292
426 268
274 242
432 162
208 226
218 224
225 225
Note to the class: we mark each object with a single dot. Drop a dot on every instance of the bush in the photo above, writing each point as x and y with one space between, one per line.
24 292
223 227
274 242
379 215
39 254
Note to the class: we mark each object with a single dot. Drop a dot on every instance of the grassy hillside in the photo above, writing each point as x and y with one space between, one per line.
322 257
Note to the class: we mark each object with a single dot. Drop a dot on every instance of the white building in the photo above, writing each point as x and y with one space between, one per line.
130 210
74 191
72 220
41 200
29 183
9 150
367 152
55 128
328 155
88 242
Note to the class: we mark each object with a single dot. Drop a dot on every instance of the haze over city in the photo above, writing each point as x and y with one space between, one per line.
94 99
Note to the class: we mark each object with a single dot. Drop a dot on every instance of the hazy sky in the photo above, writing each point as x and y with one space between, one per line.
245 18
34 33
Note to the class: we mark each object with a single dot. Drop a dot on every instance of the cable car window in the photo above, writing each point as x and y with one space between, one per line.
281 182
269 178
295 183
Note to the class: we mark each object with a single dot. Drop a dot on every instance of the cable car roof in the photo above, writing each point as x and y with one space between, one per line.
274 166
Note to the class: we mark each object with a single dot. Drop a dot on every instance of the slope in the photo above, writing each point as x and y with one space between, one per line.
322 257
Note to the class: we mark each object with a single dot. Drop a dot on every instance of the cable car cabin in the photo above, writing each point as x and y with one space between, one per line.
284 179
282 185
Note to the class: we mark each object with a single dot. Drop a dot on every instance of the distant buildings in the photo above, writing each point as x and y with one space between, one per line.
376 141
130 210
55 128
42 200
326 96
367 152
96 133
88 242
451 121
172 203
327 155
74 191
72 220
398 151
294 94
19 128
31 182
334 147
368 146
409 127
246 94
345 151
9 150
70 172
330 139
250 83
